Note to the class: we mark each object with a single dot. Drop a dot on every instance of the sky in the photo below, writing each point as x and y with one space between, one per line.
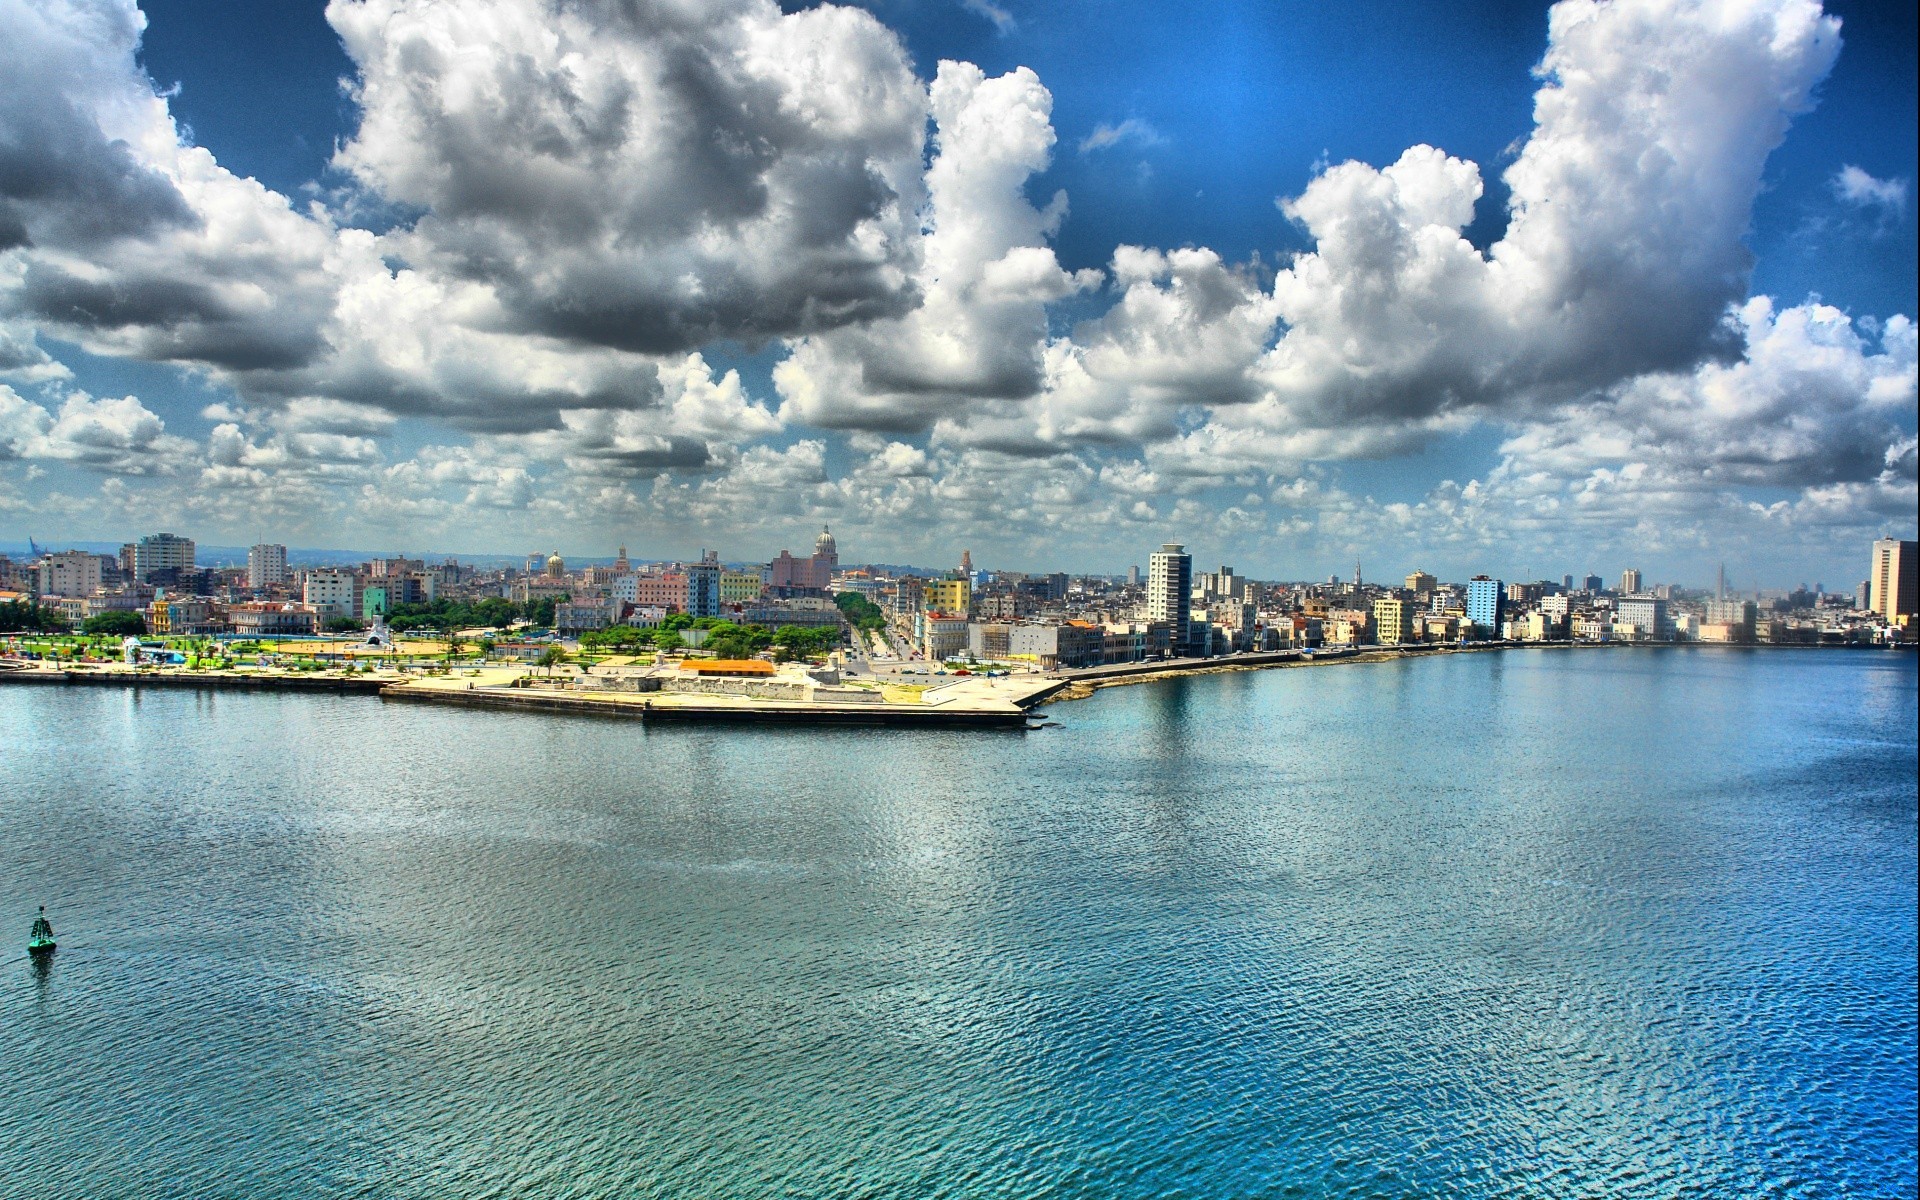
1504 287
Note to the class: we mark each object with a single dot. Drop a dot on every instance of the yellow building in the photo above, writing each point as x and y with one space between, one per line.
1420 581
1393 622
947 595
738 587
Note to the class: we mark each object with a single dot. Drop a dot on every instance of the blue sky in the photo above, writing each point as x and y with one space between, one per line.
1073 423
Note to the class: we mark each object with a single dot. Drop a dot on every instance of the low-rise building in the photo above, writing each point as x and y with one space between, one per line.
268 619
943 635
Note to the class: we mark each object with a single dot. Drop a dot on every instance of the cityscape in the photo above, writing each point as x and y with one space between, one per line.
1030 621
959 599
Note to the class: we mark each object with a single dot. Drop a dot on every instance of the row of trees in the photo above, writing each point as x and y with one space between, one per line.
492 612
724 639
861 612
25 616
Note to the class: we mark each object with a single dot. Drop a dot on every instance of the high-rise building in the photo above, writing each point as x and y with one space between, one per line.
1486 601
1170 592
1420 583
159 552
1566 581
703 585
1630 582
1895 580
1393 622
1133 576
1593 583
266 565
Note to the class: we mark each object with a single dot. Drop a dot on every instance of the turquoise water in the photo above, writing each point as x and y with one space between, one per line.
1532 924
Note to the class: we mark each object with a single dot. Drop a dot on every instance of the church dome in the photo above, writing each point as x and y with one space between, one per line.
824 543
556 566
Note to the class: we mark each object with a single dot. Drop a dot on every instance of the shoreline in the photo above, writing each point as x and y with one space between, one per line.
1017 710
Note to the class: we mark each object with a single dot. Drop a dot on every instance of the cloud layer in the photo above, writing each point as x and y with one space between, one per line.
561 218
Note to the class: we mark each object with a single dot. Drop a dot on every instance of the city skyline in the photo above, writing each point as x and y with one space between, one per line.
1410 306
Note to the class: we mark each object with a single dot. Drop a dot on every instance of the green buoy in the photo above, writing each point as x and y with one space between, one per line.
40 941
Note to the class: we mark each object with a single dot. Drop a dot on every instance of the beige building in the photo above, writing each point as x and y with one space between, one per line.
69 573
1393 621
944 637
1893 585
1420 582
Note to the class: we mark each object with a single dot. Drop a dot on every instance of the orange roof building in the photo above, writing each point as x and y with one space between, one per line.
748 667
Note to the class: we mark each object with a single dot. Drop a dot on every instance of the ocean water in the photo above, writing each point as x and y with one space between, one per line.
1525 924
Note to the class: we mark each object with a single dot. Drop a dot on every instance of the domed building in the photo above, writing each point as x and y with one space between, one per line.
788 575
556 566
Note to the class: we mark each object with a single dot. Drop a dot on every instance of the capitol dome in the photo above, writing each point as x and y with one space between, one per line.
556 566
824 543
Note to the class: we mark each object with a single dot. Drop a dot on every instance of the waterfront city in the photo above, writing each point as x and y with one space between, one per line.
979 600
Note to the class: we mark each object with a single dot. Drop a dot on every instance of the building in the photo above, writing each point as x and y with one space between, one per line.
1593 583
1893 586
989 639
1735 617
1047 647
1420 583
1220 585
68 573
1393 621
703 586
668 591
943 635
947 596
1648 617
738 587
577 617
332 594
1170 592
1486 602
179 615
1629 582
161 552
806 612
267 619
266 565
815 573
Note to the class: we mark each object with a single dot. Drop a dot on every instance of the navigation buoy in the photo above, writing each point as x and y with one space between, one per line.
40 941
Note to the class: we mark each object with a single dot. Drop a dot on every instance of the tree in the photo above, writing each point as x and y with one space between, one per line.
551 657
341 625
859 611
25 616
115 624
799 641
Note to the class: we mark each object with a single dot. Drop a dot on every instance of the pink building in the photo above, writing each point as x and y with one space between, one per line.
814 572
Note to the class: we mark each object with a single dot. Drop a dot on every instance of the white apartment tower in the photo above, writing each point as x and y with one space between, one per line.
1170 592
266 565
1630 582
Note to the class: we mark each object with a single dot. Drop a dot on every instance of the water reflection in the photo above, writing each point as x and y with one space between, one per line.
1486 924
